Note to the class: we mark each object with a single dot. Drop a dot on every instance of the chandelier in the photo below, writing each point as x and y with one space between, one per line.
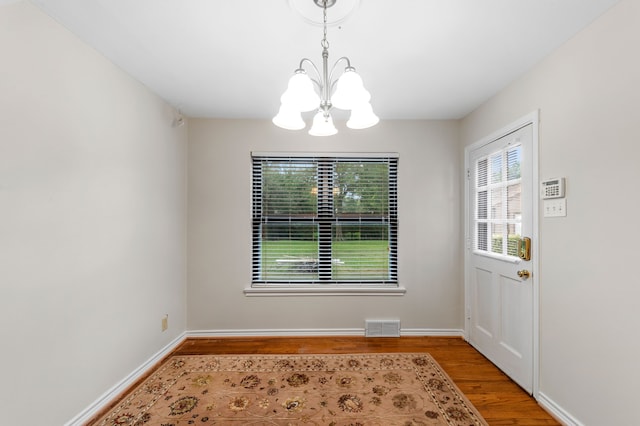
301 95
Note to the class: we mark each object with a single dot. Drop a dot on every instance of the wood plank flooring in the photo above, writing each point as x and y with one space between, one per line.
499 400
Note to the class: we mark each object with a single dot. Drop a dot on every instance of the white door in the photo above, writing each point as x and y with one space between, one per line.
500 293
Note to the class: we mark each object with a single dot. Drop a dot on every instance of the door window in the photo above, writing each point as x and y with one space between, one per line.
498 210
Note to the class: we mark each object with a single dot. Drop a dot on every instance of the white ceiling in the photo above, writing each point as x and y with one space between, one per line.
432 59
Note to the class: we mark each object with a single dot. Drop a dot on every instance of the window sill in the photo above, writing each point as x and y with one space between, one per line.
322 290
498 256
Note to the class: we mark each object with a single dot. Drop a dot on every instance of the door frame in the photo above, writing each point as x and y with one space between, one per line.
532 118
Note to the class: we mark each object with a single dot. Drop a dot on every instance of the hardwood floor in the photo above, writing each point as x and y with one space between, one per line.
499 400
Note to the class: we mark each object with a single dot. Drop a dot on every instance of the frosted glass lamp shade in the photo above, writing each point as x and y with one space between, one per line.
350 91
288 118
300 94
362 117
322 126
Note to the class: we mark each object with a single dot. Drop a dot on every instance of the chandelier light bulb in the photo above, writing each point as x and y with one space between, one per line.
289 118
350 91
322 125
362 117
300 93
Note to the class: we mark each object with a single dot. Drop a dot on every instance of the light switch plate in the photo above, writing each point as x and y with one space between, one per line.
555 207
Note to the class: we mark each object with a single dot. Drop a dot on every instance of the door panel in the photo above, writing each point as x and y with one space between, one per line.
485 293
501 213
515 298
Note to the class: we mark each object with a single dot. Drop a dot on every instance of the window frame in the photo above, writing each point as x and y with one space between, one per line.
485 211
324 285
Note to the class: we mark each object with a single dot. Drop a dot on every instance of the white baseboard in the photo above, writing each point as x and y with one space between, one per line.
319 332
121 386
441 332
276 333
556 411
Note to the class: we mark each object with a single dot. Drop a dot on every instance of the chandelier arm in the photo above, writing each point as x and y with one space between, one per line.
310 62
317 83
318 80
335 65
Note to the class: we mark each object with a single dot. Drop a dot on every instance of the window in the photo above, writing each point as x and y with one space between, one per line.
498 206
324 219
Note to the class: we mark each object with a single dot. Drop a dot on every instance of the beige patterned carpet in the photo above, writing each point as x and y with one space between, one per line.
373 389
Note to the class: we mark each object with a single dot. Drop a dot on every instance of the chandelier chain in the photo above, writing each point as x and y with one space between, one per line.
324 43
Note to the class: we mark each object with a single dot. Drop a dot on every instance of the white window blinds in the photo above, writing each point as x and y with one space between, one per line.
324 219
498 206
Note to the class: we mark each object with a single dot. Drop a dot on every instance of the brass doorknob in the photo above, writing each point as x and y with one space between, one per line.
524 274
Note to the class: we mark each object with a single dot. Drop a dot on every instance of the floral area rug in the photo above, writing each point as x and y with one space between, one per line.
373 389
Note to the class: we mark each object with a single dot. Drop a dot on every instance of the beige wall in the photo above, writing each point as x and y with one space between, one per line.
220 229
588 96
92 222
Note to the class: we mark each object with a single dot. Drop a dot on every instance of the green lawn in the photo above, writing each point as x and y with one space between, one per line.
352 260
